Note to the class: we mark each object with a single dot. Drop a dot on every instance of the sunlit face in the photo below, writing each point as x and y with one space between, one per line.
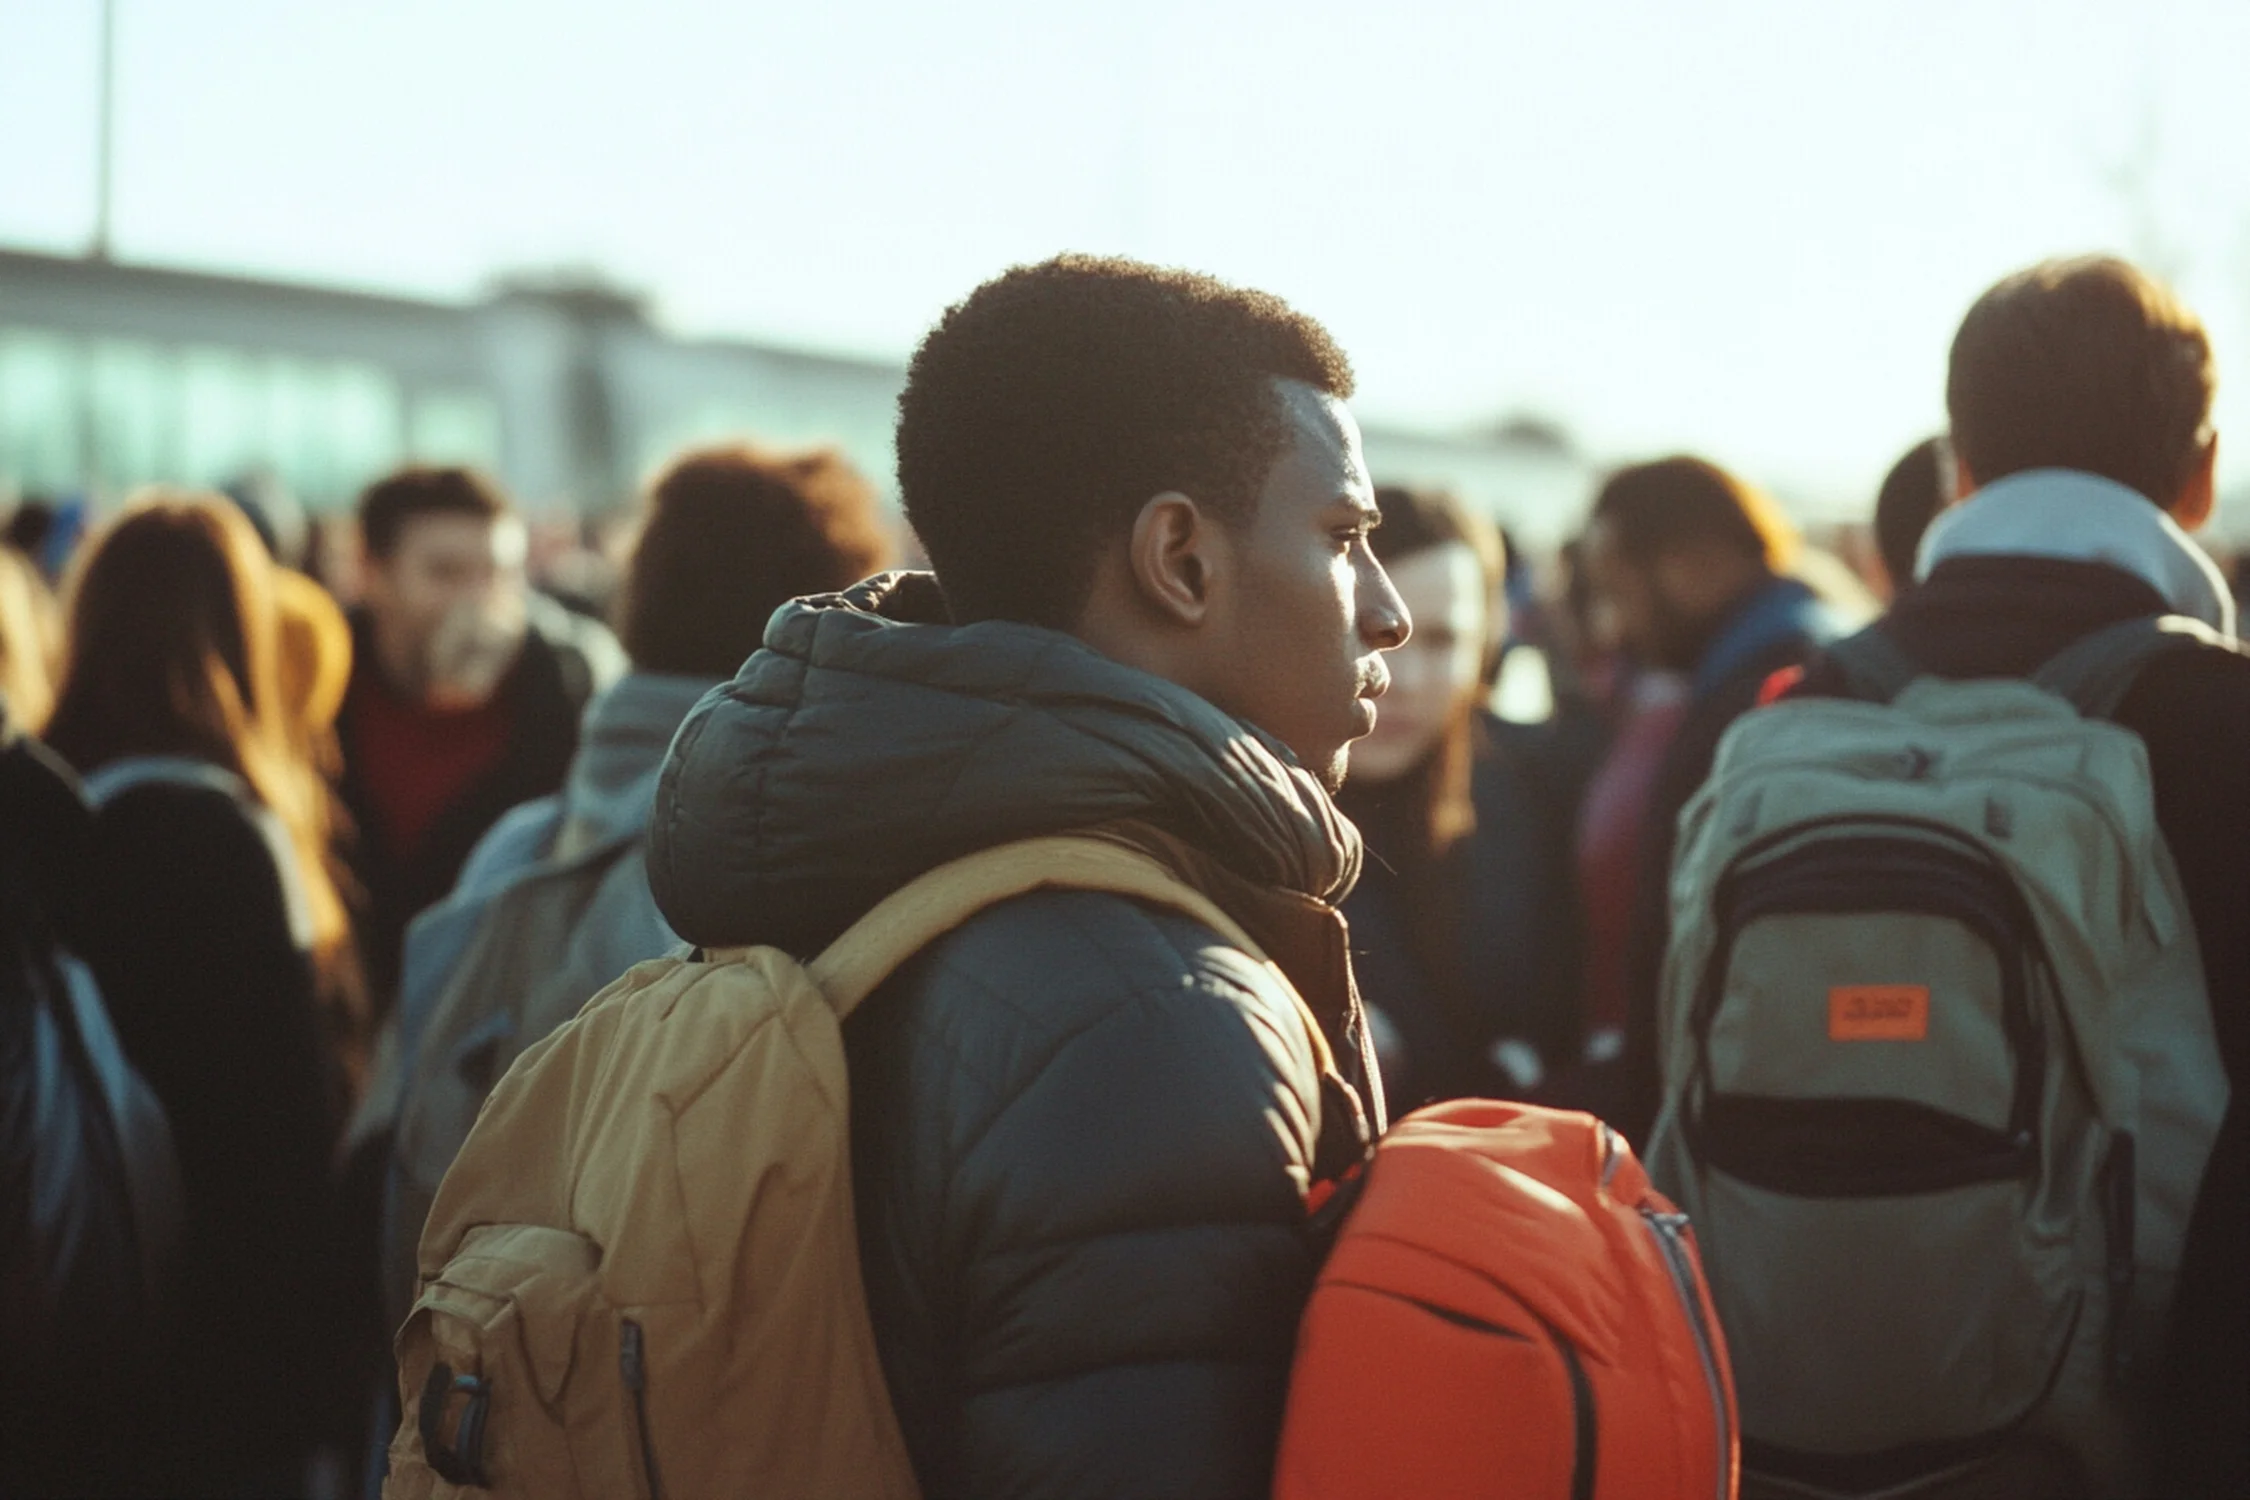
444 574
1436 671
1299 650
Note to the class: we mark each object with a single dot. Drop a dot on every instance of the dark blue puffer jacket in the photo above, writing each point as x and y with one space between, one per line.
1082 1127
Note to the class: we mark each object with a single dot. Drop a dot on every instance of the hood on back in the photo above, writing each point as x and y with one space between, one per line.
621 743
870 741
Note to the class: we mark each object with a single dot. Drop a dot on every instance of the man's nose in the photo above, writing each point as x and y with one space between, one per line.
1383 619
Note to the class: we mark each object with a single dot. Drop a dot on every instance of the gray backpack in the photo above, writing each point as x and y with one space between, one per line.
1939 1072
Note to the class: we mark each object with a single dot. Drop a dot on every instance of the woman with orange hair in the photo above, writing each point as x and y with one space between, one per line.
27 641
313 670
207 891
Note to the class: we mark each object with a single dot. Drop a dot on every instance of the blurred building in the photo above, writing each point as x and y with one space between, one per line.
115 375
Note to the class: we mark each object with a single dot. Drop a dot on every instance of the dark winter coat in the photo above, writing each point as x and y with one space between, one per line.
1082 1128
89 1189
210 983
2005 617
565 660
1513 929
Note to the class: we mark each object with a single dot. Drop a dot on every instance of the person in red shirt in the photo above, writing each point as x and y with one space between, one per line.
465 694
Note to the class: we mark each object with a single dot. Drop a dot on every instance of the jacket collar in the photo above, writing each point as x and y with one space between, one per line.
2067 516
871 740
1781 609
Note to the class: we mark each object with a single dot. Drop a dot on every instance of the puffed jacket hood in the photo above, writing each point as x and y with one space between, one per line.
871 740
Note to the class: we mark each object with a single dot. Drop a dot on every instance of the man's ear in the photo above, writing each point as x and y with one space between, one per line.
2199 495
1170 557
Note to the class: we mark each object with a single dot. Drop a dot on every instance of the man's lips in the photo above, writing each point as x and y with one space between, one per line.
1374 679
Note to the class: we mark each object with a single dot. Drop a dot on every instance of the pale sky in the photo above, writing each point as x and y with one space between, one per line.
1743 229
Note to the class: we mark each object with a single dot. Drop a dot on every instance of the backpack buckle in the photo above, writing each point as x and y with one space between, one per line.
462 1460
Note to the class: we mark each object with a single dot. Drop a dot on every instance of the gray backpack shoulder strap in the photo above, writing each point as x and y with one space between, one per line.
2095 672
111 781
108 781
1874 667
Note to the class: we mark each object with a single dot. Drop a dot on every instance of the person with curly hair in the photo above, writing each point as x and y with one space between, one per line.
1083 1128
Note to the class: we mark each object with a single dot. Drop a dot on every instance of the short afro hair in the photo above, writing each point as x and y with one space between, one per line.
1045 409
732 534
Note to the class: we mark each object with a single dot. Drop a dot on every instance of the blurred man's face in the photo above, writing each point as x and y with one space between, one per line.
1296 642
1631 593
448 605
1439 669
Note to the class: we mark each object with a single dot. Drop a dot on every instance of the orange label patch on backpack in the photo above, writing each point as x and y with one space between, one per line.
1879 1013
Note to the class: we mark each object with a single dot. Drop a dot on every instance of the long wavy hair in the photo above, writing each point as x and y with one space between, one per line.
29 636
173 648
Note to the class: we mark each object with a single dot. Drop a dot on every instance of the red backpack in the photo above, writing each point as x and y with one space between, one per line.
1510 1310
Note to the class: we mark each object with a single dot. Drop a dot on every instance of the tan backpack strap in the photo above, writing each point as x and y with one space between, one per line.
911 918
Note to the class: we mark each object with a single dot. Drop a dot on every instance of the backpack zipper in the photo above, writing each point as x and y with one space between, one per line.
1613 1154
632 1365
2103 807
1585 1434
1668 1228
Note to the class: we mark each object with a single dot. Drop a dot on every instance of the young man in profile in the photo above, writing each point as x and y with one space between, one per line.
1082 1127
2079 394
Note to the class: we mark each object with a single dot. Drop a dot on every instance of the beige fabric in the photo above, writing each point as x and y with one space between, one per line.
674 1167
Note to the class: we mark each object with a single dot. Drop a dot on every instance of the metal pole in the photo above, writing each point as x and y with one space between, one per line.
108 131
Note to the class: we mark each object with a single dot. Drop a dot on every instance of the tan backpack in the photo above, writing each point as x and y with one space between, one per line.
641 1276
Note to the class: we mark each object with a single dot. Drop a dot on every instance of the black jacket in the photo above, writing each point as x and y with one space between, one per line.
1510 924
565 660
2005 617
212 991
88 1183
1082 1128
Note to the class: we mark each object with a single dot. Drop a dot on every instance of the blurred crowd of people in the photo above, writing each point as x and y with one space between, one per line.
292 801
250 792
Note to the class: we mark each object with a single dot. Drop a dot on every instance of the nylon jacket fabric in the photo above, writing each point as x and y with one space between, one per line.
1082 1127
869 742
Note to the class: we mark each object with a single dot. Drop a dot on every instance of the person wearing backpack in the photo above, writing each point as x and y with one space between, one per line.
554 902
89 1183
1693 565
1082 1126
202 934
994 1137
2075 1106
